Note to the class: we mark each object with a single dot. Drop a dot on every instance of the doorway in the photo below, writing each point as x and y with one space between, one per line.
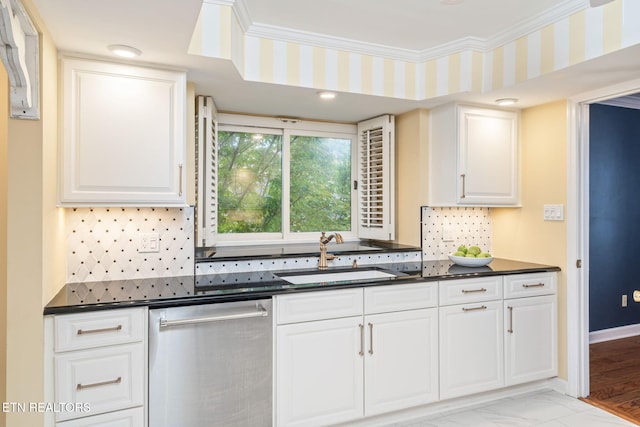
578 232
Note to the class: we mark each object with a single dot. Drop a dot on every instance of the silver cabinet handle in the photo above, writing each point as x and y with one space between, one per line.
97 331
180 179
510 330
84 386
535 285
361 352
370 338
261 312
482 307
463 176
470 291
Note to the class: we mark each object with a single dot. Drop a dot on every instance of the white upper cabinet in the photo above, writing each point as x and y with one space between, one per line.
123 135
474 157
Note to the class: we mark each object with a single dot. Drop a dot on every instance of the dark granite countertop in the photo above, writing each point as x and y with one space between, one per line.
189 290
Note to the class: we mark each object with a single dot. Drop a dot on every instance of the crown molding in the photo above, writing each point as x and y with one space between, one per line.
535 23
330 42
514 32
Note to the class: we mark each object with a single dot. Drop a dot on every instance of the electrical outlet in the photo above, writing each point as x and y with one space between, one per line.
149 242
624 300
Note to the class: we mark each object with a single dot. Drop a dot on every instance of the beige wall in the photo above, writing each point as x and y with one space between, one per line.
4 118
522 234
412 135
35 240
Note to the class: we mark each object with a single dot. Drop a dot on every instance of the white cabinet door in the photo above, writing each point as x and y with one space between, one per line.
488 157
530 339
473 157
471 348
401 360
123 135
319 372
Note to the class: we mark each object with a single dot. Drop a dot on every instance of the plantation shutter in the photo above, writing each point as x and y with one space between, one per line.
206 171
375 186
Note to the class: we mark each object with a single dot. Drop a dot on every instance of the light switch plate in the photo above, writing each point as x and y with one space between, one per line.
149 242
554 212
447 233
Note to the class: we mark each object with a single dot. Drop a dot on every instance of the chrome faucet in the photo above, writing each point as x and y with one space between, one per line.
324 256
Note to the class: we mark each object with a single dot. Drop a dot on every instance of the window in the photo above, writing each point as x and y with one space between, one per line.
264 180
288 183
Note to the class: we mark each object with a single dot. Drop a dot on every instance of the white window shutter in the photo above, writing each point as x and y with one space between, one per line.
206 171
375 186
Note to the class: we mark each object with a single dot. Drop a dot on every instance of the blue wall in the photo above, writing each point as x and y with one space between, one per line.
614 205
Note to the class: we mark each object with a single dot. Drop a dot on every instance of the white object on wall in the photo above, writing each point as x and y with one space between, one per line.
19 52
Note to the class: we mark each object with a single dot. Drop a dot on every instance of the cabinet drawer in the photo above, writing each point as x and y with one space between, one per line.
127 418
107 379
98 328
383 299
462 291
305 307
526 285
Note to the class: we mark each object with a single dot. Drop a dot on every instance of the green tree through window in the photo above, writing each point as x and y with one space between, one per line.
250 183
320 184
250 174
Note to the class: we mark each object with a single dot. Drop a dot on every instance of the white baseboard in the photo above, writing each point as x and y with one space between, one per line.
614 333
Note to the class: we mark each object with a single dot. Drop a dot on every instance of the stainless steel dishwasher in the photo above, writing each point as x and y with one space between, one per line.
211 365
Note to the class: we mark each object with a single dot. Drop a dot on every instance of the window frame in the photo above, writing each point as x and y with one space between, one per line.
288 127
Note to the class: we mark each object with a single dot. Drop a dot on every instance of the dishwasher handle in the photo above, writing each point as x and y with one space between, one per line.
261 312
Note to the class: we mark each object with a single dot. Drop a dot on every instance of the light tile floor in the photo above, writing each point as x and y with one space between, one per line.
542 409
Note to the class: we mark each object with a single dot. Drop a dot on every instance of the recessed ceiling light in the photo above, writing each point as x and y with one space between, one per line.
451 2
503 102
124 51
327 95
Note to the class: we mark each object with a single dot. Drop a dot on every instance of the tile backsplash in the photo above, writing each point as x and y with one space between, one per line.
103 243
468 226
258 265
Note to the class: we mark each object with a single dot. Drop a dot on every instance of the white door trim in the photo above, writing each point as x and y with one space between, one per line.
578 231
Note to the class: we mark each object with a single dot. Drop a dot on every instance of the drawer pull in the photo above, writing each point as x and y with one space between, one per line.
482 307
95 331
470 291
85 386
535 285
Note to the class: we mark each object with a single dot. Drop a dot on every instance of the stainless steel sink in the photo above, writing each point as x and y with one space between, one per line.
335 276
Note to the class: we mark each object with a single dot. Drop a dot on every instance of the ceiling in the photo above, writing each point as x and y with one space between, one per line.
162 30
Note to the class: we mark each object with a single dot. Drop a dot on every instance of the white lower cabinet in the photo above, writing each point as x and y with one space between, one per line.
319 372
471 348
336 370
530 339
96 368
401 360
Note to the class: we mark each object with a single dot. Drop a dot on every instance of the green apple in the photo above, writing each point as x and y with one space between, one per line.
458 253
462 248
474 250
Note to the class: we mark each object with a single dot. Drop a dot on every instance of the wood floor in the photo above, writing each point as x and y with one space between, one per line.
615 377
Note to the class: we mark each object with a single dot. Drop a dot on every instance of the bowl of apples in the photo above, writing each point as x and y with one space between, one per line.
472 256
